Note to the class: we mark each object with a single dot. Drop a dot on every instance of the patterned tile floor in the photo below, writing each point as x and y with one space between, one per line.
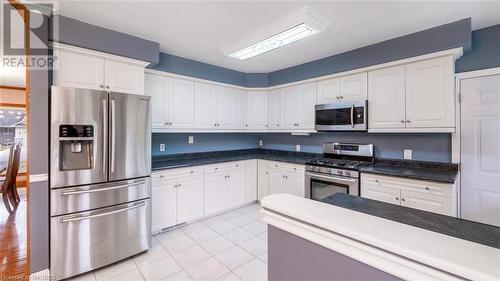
229 246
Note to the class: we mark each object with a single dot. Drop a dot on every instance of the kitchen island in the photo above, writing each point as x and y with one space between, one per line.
342 240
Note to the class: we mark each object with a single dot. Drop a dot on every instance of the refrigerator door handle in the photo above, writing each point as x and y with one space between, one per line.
105 135
79 218
76 191
113 134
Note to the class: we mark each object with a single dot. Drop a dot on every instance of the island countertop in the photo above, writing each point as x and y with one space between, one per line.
402 250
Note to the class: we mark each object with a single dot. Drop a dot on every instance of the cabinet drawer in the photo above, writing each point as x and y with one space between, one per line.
210 169
427 187
174 173
286 167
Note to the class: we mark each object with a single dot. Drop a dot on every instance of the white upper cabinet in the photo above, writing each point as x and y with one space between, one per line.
430 101
386 98
257 107
80 68
273 112
224 107
289 107
156 87
297 107
343 89
205 106
354 87
240 108
180 103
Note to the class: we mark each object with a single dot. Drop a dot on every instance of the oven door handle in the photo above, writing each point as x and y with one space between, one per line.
333 178
352 115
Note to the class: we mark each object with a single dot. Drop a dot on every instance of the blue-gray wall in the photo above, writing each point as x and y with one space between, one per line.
485 52
178 143
430 147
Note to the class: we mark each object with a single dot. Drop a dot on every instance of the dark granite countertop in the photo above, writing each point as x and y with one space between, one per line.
463 229
204 158
420 170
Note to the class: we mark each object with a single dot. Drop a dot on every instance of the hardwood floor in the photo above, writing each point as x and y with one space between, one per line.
13 240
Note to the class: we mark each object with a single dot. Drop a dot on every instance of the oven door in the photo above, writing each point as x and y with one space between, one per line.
341 116
320 187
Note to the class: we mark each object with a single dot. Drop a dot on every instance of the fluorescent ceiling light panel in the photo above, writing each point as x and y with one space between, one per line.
297 26
284 38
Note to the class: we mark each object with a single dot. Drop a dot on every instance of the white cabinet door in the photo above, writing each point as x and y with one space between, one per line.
328 91
256 110
239 112
381 193
156 87
205 106
215 192
251 180
354 87
274 100
79 71
426 202
181 103
295 184
262 178
225 108
289 107
124 77
305 100
276 181
430 98
189 198
235 187
164 203
386 98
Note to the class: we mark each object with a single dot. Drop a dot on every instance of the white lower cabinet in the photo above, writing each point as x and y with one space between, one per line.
189 198
215 192
423 195
277 177
224 186
164 203
251 179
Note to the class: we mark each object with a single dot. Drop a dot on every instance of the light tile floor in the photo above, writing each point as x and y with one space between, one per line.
231 246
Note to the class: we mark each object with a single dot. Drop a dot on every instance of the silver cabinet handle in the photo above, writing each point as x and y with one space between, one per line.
277 125
402 121
104 135
179 185
176 185
341 97
191 172
408 121
397 198
74 191
113 134
107 87
101 86
79 218
402 199
426 188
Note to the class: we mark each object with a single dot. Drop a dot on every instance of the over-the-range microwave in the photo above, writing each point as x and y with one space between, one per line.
346 116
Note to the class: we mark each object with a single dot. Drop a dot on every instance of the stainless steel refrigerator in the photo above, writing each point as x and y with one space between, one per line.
99 177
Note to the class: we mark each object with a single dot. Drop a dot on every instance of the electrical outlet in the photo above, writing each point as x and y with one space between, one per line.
261 142
162 147
190 139
297 147
407 154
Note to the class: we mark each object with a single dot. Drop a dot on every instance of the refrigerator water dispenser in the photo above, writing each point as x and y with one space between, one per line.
76 143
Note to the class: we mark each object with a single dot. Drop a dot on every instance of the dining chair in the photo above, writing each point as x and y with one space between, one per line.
7 181
15 170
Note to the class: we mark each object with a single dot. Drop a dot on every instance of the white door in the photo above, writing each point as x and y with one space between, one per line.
235 187
305 104
189 198
124 77
79 71
276 183
157 88
328 91
480 149
215 192
256 110
354 87
251 180
239 112
426 202
288 107
295 184
164 203
386 98
381 193
181 103
430 95
273 112
225 108
262 178
204 109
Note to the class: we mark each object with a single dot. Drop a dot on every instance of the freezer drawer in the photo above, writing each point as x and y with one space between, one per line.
87 197
88 240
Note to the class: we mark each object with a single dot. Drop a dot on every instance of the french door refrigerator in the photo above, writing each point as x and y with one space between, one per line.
99 178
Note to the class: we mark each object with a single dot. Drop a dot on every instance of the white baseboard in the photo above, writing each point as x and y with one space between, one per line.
42 275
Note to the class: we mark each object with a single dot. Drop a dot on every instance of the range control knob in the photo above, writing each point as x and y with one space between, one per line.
316 169
339 172
328 170
347 173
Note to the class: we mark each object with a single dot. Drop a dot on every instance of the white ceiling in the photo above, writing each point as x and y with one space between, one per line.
200 29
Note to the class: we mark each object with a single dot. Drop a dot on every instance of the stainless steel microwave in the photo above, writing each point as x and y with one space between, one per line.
347 116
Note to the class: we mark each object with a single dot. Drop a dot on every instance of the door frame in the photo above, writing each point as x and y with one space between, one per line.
456 137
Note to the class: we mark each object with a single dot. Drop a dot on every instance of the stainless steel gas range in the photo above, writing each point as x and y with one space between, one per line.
338 170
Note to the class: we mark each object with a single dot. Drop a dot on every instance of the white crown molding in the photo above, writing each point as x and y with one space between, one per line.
478 73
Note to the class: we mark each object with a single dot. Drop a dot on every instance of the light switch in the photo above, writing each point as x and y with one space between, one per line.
297 147
261 142
162 147
407 154
190 139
